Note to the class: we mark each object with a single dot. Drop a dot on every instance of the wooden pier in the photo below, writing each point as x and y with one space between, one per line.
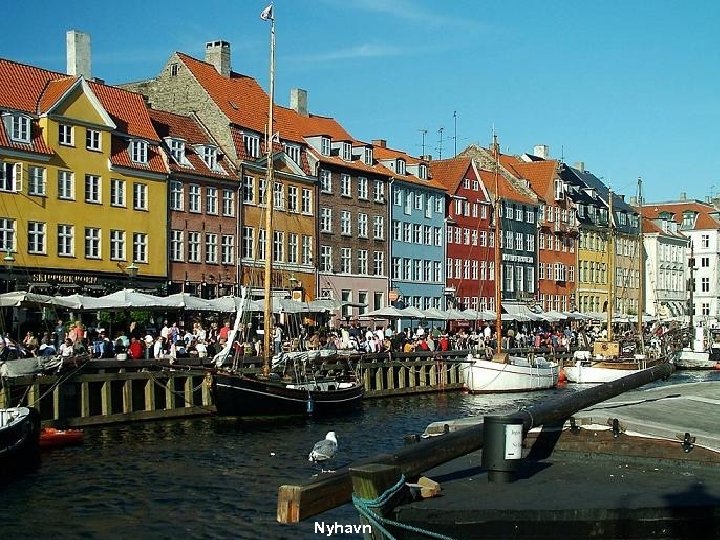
113 391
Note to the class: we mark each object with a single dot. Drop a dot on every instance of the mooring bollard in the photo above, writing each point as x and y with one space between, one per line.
502 448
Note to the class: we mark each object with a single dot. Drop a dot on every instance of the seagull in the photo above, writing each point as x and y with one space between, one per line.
324 450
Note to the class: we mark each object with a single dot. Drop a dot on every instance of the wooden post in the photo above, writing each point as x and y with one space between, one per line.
411 376
150 395
106 399
127 396
369 482
57 402
206 387
390 377
367 380
423 375
170 392
188 392
84 399
402 380
379 378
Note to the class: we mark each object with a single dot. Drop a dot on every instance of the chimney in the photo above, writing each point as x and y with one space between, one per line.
217 53
542 151
633 201
382 143
78 53
298 101
683 196
580 166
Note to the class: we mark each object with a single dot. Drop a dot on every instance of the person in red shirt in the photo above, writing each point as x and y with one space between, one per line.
136 349
223 334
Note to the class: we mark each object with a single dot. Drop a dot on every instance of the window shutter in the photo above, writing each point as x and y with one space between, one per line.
18 177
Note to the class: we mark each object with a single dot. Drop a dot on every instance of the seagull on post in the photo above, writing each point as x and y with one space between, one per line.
324 450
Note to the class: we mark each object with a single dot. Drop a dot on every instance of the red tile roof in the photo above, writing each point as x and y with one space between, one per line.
127 109
708 216
189 129
120 156
53 91
540 174
506 190
383 153
21 86
36 145
450 172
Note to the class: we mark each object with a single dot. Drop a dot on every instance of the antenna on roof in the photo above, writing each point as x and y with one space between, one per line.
440 143
562 152
455 127
424 132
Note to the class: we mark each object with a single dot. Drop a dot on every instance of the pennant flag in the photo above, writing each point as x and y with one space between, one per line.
267 13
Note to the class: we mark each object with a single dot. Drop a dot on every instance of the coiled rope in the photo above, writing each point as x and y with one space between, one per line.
366 508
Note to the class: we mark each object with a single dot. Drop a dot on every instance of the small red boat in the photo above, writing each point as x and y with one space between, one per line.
54 438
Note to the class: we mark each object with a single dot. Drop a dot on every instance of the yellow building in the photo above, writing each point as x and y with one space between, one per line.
83 196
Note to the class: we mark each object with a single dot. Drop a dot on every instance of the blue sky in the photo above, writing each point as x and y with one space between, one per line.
630 88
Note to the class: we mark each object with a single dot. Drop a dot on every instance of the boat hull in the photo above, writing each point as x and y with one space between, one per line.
597 372
242 396
485 376
695 360
19 440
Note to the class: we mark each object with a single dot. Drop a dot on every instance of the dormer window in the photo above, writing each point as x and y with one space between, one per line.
209 156
400 166
368 155
252 145
559 189
139 151
18 125
177 151
346 150
422 172
688 221
325 146
292 151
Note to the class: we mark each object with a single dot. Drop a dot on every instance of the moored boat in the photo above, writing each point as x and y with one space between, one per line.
19 439
515 374
51 437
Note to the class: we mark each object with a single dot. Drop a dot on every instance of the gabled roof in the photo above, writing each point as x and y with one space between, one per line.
383 153
127 109
36 145
505 188
450 172
708 217
21 86
120 157
540 174
651 223
190 130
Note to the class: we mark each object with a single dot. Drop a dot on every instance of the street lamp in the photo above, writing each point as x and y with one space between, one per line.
132 272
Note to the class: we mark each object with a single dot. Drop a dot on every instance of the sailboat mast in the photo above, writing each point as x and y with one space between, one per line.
269 233
690 308
641 263
498 239
611 267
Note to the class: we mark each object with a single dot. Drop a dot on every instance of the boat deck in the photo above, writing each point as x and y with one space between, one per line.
593 483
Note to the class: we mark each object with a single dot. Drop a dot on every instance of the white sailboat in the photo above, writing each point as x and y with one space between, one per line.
610 358
502 372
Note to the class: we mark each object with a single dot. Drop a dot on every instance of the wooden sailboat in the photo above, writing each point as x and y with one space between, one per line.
272 394
19 439
502 372
613 358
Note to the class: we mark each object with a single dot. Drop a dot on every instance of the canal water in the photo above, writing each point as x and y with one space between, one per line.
206 479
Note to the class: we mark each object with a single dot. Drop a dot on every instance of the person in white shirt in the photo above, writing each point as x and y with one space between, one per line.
66 349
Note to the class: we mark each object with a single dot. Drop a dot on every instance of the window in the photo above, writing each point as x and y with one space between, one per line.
92 243
209 156
65 240
306 201
363 262
211 248
325 220
705 241
194 198
278 246
36 237
362 188
249 190
66 185
117 192
92 189
65 134
378 227
396 268
325 259
177 151
325 181
228 202
117 245
378 263
325 146
306 249
278 196
419 201
292 151
438 235
20 128
345 226
292 198
430 204
422 171
345 260
407 232
177 246
247 243
397 196
252 144
400 166
140 196
427 235
140 247
508 211
705 284
518 214
378 191
139 151
36 181
530 243
345 185
193 247
519 241
10 176
362 225
439 203
174 69
368 155
261 245
408 202
7 234
93 140
176 195
292 255
227 249
211 200
346 151
705 262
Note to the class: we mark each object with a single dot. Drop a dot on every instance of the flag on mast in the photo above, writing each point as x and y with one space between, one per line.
267 13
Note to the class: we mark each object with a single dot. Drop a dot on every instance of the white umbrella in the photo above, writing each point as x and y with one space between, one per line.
435 314
412 312
388 312
22 298
128 298
187 301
